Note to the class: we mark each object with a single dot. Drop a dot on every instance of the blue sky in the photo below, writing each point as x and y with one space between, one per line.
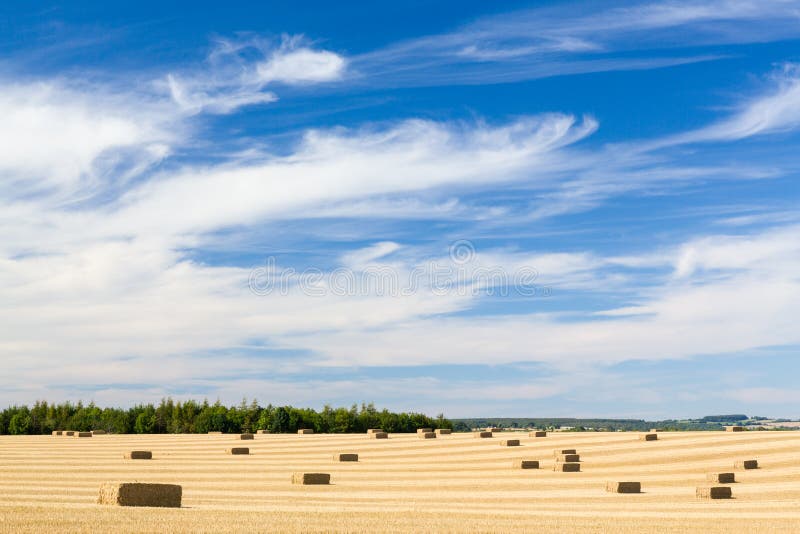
608 194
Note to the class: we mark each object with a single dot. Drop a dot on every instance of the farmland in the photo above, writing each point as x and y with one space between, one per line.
452 483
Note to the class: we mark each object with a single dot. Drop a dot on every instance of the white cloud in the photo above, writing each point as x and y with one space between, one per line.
330 167
232 79
776 111
302 65
56 139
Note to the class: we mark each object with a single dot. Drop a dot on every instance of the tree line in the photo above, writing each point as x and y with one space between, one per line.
191 417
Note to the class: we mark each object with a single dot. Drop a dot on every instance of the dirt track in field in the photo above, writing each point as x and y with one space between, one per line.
453 483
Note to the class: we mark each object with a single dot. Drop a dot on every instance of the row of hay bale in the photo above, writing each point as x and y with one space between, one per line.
723 492
77 434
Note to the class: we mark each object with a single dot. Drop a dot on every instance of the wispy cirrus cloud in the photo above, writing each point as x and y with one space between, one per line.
577 38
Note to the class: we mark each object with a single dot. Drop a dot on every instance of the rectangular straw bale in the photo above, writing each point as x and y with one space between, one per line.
734 428
426 435
648 437
246 435
83 434
493 429
721 478
345 457
567 467
98 432
57 432
443 431
482 434
311 478
509 443
424 430
262 432
238 450
305 431
746 464
69 432
138 455
379 435
568 457
374 430
538 434
140 494
559 452
714 492
624 487
526 464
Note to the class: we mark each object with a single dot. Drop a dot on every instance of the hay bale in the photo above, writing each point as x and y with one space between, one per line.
714 492
648 437
568 457
424 430
83 434
526 464
69 432
246 435
624 487
482 434
98 432
57 432
567 467
306 431
345 457
443 431
238 450
140 494
379 435
721 478
138 455
559 452
509 443
538 434
311 478
374 430
734 428
426 435
493 429
746 464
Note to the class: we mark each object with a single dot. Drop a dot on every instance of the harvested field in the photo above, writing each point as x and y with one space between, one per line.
403 484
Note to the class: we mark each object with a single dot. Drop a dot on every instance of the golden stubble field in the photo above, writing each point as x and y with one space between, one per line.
454 483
